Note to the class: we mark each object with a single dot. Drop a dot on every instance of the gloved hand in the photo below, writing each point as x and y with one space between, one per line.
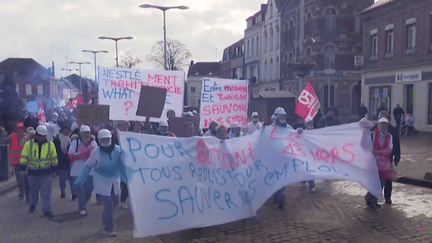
365 123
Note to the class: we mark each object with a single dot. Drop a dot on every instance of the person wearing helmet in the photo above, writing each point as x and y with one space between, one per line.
108 166
39 157
62 143
254 124
164 129
329 119
79 152
235 130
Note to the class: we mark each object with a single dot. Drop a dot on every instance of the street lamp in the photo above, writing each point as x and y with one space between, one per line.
80 63
94 52
164 9
116 39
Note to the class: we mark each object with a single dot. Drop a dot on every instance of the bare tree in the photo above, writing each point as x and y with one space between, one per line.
129 60
177 55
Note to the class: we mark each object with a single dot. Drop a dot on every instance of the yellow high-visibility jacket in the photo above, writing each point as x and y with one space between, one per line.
39 160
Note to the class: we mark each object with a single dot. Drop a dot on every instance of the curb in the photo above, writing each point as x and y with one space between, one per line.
11 186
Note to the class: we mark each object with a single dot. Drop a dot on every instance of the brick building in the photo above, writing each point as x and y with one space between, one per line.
398 57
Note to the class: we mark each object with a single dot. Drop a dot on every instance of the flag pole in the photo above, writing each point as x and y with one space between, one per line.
325 122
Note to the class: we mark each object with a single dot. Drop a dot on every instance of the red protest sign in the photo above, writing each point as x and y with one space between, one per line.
41 114
307 104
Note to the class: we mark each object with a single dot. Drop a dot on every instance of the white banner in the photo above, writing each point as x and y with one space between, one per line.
120 89
223 100
181 183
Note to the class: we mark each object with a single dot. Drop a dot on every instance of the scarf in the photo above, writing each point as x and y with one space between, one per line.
108 149
64 142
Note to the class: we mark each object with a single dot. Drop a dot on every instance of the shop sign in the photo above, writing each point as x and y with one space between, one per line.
409 76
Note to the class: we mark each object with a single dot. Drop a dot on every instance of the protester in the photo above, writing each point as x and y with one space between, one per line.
195 113
309 125
53 127
300 123
188 114
39 158
189 129
124 193
222 132
383 107
62 143
164 129
362 111
15 149
329 119
79 152
235 130
31 120
409 123
280 121
136 127
212 129
171 114
398 114
382 149
121 126
254 124
395 155
108 168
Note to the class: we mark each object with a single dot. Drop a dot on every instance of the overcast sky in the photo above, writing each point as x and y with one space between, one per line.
53 30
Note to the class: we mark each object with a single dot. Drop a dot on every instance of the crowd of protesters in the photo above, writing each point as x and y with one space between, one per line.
88 156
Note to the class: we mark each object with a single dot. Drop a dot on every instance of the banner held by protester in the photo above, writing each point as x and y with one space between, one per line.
120 89
223 100
181 183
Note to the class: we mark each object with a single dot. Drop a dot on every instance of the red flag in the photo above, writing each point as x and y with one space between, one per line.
307 104
75 102
41 113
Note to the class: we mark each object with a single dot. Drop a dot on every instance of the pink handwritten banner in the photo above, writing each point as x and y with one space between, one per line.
224 101
120 89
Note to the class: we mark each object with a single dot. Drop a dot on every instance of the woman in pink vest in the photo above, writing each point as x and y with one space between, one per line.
382 149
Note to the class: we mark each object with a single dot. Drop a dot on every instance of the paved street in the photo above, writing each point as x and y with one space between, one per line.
335 213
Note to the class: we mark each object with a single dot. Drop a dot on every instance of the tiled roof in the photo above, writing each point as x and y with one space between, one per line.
205 69
378 4
23 67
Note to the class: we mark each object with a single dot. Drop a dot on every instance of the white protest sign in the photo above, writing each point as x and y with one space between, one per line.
120 89
223 100
181 183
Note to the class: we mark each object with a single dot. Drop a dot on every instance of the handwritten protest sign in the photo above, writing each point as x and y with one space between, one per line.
151 101
223 100
93 113
181 183
120 89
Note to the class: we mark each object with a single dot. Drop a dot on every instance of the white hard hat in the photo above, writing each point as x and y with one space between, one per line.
234 125
254 113
280 111
84 128
104 133
195 112
189 113
42 130
163 124
383 120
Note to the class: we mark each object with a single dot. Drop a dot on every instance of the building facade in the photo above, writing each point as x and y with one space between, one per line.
327 35
233 61
398 58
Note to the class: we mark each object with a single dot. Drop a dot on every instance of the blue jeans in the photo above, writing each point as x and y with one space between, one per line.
43 184
72 186
371 198
62 174
107 216
84 192
279 196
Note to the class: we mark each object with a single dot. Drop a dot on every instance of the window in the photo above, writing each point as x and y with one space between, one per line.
329 57
248 54
286 33
253 48
308 51
430 31
380 97
271 40
430 105
257 46
265 41
411 38
308 25
374 45
328 95
358 24
40 89
193 90
277 38
271 72
17 89
265 70
285 63
330 20
291 57
291 31
28 89
389 42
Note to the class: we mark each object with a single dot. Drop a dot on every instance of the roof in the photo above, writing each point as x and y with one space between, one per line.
280 3
23 67
205 69
378 4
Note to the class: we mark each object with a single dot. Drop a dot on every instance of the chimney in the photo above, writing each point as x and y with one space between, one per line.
192 63
53 70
